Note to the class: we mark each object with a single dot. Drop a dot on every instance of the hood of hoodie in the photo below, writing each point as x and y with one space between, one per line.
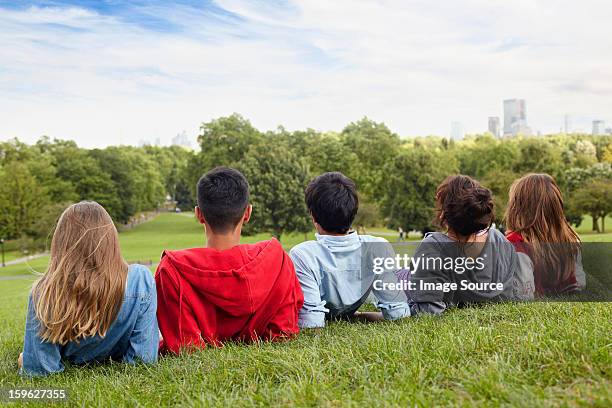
236 280
340 243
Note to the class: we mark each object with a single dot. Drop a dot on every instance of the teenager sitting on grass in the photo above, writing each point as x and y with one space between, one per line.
226 291
471 262
335 279
89 306
547 245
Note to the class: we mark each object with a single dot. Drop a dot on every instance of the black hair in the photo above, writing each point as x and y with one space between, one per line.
332 201
464 205
223 196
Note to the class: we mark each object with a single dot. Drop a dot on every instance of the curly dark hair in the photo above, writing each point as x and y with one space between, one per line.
464 205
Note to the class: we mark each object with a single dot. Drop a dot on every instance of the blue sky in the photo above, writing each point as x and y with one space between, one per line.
108 72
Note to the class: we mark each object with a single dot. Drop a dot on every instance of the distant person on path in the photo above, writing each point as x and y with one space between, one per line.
401 234
226 290
464 209
547 244
89 306
331 268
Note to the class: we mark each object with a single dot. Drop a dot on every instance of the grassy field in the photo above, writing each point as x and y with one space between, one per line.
544 354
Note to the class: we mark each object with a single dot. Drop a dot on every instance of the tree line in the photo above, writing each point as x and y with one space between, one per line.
396 177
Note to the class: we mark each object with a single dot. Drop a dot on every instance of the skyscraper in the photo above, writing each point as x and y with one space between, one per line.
515 117
494 126
599 127
457 131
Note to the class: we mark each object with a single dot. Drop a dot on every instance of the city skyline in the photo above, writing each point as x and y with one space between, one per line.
108 72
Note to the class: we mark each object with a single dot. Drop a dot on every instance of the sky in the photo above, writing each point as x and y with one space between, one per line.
112 72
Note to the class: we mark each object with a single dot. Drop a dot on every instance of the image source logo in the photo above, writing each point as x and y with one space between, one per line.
487 271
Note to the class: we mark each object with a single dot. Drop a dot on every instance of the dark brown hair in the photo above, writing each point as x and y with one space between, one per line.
463 205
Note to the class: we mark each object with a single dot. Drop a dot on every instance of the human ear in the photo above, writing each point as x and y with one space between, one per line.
200 216
247 214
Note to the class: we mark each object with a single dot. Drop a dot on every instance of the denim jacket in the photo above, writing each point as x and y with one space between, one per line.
132 336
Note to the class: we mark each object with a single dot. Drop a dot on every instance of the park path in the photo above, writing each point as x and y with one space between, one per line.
17 277
25 259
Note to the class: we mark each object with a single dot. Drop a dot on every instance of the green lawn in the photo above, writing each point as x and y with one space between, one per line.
539 354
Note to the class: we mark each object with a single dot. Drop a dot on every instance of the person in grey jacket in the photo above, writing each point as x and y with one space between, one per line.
471 262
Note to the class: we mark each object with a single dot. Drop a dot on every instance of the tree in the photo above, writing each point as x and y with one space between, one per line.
607 154
137 181
277 179
373 145
410 187
22 200
595 198
576 178
367 216
538 156
487 155
499 181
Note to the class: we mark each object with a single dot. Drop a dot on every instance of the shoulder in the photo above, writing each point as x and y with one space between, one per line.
372 238
304 248
140 281
435 237
514 236
497 236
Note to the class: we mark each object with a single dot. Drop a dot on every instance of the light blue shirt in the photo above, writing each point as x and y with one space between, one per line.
336 278
132 337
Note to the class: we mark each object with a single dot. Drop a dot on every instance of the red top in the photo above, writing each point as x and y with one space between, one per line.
563 284
246 293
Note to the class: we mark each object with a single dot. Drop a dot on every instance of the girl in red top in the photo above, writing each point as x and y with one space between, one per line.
538 229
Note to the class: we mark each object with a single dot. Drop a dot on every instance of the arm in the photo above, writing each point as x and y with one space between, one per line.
369 316
524 286
312 313
175 317
580 275
392 303
428 301
144 340
39 357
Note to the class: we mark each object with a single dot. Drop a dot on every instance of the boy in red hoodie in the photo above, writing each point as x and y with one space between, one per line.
226 291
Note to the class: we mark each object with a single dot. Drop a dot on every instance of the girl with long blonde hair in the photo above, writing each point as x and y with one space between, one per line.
541 234
89 306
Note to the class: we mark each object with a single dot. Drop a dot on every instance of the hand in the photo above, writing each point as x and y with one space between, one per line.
20 360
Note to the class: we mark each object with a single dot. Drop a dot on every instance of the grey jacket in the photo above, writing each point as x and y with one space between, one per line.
492 275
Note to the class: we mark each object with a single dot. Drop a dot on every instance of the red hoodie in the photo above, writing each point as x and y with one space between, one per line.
246 293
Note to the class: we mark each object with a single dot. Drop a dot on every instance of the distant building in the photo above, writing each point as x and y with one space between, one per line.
567 124
457 132
181 139
515 117
494 126
599 127
608 131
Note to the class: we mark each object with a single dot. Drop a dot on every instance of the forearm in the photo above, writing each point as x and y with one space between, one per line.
368 316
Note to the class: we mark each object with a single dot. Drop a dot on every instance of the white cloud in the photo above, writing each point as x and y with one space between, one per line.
416 65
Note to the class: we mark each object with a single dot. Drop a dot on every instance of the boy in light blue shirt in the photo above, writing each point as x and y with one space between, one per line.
335 270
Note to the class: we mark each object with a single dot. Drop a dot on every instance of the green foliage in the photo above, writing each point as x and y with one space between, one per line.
595 198
373 145
22 200
39 181
277 180
368 215
396 177
411 180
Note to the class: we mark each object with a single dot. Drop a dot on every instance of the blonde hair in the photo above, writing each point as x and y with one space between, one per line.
82 290
535 210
